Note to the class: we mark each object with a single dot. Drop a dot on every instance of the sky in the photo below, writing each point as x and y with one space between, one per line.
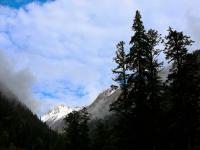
60 51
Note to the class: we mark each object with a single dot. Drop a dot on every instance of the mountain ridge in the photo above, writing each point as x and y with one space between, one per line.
98 109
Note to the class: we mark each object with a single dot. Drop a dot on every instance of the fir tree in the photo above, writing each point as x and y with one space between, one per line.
84 130
76 132
176 52
121 69
72 131
176 49
121 77
138 61
154 89
191 75
154 67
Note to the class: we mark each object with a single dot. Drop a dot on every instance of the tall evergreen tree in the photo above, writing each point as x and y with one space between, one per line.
132 107
191 75
154 67
146 85
142 88
76 131
154 89
72 131
121 69
121 77
176 49
138 62
176 44
84 129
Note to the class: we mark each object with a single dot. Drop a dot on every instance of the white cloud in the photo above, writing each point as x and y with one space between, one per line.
72 42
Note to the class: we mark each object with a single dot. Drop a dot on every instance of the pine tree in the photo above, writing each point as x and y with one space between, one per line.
121 69
84 130
138 61
140 102
154 67
154 88
99 136
121 77
176 44
138 65
145 93
191 75
72 130
77 129
176 49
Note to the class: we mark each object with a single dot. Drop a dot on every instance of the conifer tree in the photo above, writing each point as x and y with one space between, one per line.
191 75
72 130
76 130
176 45
121 69
146 86
138 62
99 136
154 88
121 77
176 49
154 67
84 130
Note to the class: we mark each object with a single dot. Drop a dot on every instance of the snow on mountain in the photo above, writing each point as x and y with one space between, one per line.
56 113
97 110
54 118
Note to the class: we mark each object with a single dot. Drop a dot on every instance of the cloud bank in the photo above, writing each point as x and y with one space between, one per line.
17 83
68 45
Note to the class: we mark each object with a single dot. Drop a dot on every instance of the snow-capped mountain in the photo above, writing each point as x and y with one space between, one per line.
97 110
56 113
54 117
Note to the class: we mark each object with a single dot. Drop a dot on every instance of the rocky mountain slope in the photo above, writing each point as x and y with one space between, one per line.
99 109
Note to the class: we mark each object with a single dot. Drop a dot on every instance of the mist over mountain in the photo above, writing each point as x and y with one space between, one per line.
17 83
99 109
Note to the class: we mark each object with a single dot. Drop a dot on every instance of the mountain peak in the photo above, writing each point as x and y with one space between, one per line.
58 112
99 109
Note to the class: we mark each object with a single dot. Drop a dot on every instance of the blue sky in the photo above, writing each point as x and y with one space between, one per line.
19 3
67 45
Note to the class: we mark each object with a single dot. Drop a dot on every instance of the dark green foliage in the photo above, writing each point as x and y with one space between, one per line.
176 48
20 129
122 76
154 85
143 90
191 95
138 60
99 136
150 114
181 107
121 69
158 115
137 57
77 130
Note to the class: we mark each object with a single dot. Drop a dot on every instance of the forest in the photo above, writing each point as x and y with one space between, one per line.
153 112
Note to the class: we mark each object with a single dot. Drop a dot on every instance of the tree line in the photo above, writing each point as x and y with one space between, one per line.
20 129
152 112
